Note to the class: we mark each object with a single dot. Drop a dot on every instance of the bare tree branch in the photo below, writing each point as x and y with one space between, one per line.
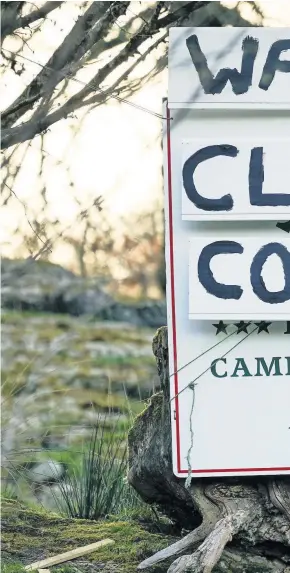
148 30
81 38
37 125
181 13
31 128
10 11
10 22
87 38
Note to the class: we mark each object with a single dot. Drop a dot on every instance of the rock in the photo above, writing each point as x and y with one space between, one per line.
43 286
82 296
51 497
151 314
46 472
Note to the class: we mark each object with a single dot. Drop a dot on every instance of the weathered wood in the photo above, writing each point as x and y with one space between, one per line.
193 537
242 524
68 555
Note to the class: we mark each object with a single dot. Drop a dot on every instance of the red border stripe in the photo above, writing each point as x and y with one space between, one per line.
171 251
229 470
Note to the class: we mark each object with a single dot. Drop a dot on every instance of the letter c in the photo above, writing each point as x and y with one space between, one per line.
205 274
213 368
225 203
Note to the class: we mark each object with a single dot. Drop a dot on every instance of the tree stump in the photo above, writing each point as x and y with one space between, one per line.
232 525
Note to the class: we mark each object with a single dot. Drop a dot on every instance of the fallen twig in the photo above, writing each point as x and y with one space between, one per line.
69 555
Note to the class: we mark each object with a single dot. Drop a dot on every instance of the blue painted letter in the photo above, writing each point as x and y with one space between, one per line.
257 281
256 180
225 203
273 64
205 274
241 81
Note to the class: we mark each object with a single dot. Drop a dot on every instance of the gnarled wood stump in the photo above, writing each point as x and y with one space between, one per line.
236 525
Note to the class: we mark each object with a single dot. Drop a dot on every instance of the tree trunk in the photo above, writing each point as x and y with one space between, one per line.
232 525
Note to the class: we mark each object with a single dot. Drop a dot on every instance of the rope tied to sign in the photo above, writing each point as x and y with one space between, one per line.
188 458
192 385
205 352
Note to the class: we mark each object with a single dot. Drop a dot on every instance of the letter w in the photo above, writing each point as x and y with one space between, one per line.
241 81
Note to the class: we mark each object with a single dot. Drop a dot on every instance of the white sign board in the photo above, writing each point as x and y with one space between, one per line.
221 66
239 277
229 361
238 409
238 174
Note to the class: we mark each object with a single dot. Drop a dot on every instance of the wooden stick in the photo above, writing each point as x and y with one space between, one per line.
73 554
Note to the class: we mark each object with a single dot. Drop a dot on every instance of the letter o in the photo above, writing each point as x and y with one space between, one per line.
257 281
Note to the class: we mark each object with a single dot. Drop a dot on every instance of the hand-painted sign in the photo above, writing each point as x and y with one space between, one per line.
240 66
227 182
246 277
237 177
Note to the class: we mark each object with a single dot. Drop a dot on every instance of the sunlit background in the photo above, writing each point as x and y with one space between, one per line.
77 365
113 151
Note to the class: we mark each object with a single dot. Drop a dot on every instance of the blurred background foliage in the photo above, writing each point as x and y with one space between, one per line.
82 232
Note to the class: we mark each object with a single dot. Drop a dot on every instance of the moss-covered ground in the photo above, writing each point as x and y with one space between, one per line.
59 351
29 535
60 373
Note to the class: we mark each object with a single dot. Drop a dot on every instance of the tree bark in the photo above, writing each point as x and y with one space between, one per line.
238 525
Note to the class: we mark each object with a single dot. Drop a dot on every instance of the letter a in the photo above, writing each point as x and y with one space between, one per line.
274 64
